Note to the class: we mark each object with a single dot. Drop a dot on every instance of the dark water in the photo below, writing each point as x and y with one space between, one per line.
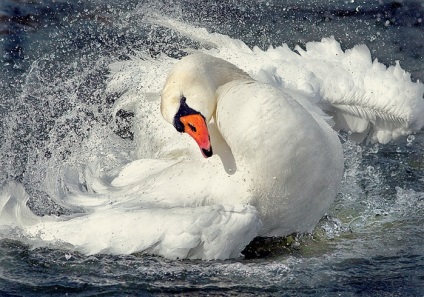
53 74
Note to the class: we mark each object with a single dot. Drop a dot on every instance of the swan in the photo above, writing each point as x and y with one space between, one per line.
289 161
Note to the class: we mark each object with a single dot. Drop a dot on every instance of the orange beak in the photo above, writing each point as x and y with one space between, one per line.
195 126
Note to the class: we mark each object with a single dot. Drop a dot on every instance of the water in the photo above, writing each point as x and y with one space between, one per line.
54 67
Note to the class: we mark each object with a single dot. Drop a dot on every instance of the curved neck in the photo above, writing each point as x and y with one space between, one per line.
197 78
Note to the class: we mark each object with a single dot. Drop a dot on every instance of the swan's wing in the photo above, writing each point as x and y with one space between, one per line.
364 97
204 232
141 210
207 232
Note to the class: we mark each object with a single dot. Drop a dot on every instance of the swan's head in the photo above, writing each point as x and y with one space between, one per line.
188 100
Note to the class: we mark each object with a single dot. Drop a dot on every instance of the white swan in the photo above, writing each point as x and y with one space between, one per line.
276 163
288 159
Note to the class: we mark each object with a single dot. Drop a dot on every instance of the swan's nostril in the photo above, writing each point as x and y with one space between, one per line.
192 127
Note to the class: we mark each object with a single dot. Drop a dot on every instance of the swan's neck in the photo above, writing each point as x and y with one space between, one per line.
233 120
224 73
221 74
197 78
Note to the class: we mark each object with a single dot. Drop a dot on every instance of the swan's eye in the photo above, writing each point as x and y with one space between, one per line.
183 111
192 128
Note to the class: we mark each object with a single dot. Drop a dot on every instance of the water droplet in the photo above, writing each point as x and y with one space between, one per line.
410 139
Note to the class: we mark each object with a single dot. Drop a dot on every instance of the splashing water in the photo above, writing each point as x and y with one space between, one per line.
62 129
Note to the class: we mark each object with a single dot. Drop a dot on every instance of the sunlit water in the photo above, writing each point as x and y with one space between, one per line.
54 67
